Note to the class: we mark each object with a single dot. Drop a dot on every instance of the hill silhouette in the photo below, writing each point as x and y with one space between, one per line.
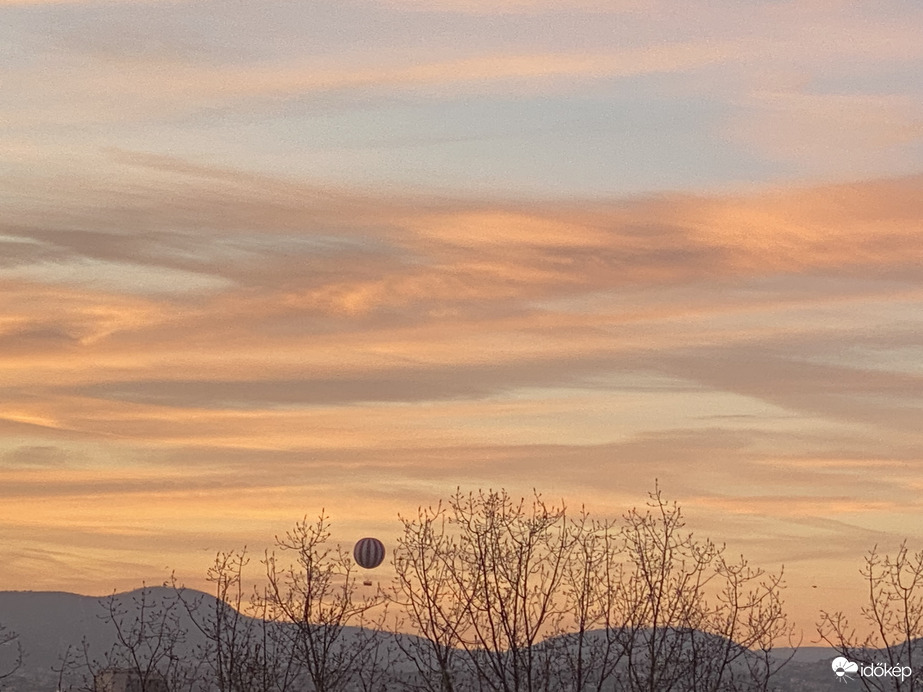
50 624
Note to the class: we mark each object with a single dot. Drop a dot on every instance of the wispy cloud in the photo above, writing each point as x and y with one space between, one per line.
413 301
155 88
32 456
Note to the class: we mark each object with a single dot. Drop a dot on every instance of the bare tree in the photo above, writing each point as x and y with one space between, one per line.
149 644
692 619
375 670
11 654
483 576
244 651
893 616
586 651
316 599
520 596
425 593
508 572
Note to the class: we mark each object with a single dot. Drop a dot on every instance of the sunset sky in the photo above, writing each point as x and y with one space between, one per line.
260 258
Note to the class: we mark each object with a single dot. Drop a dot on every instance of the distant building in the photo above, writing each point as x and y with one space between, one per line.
120 680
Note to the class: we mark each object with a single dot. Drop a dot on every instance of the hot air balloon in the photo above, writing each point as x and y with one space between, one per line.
369 553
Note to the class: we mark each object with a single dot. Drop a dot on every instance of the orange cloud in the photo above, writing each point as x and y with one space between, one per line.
753 352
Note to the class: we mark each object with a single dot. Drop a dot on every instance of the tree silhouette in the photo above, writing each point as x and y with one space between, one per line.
424 595
692 619
243 650
893 615
149 645
11 654
515 595
316 600
479 577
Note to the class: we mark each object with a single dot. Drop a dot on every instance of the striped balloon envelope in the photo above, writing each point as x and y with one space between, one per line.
369 552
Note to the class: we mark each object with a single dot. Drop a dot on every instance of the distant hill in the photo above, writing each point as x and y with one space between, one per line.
51 622
48 623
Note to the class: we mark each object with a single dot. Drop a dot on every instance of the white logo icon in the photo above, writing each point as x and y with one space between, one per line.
842 667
